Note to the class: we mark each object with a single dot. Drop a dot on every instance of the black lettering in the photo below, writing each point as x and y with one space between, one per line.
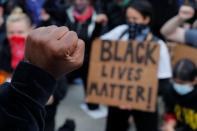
121 72
140 94
130 70
104 90
116 57
122 87
139 59
149 97
113 86
128 95
129 52
149 54
138 74
113 71
93 89
106 54
103 71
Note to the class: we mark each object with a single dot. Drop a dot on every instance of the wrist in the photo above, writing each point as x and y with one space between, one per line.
179 19
33 82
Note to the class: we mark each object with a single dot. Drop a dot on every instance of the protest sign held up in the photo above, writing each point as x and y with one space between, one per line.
124 73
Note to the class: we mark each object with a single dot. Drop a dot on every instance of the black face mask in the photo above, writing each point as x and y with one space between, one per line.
135 29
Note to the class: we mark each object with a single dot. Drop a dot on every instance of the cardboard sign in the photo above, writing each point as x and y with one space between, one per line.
181 51
124 73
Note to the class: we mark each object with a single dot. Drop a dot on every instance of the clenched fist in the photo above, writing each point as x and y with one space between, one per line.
186 12
55 50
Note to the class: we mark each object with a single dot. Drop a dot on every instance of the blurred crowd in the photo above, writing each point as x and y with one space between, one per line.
173 20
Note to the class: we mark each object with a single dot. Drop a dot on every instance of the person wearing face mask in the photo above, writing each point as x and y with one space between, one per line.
18 26
180 98
138 14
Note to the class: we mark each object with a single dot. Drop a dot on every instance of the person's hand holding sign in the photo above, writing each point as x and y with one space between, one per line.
186 13
54 49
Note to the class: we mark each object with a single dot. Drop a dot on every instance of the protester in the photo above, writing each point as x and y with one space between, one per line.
180 98
30 102
82 18
56 10
112 9
173 31
22 102
18 26
139 15
163 10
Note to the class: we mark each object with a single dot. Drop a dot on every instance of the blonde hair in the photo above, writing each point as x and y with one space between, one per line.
18 15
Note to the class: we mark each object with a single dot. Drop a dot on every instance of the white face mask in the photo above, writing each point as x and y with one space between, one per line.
183 89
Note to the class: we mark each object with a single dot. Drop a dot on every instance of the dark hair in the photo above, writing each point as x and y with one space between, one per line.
185 70
142 6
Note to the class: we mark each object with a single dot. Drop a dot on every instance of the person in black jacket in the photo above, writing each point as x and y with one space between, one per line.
180 98
50 52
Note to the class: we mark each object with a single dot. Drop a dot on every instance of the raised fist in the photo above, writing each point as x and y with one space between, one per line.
186 12
55 50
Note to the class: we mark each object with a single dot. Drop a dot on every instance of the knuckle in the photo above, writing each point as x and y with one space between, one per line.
52 26
74 33
82 43
64 28
79 62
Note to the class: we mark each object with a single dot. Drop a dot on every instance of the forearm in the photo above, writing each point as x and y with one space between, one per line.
171 26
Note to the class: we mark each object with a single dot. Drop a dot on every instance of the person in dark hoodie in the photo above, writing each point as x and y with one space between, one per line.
50 52
180 98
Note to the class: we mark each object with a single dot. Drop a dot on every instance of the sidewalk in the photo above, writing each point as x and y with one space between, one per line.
70 108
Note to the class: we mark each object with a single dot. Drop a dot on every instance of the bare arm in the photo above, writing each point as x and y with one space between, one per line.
171 25
172 30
